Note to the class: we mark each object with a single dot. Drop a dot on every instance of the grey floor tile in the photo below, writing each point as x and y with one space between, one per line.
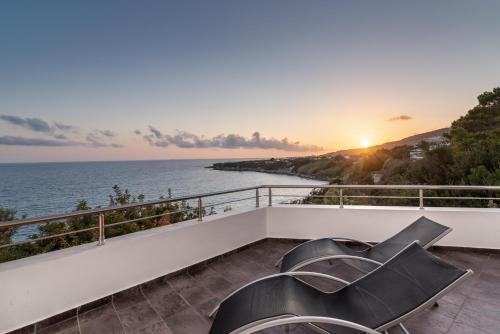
480 320
100 320
165 300
137 316
69 326
181 282
196 294
188 321
459 328
158 327
431 321
206 307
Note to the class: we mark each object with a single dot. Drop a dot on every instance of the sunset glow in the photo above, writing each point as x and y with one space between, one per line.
365 142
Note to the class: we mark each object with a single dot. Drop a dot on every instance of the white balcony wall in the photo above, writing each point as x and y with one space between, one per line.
472 227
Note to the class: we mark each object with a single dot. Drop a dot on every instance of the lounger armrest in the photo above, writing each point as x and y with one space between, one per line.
294 274
307 319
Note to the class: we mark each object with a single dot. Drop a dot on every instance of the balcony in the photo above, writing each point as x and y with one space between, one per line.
166 279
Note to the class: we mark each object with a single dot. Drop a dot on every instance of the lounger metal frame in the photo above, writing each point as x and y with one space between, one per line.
310 320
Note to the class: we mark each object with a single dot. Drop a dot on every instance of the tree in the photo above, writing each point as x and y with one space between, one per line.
475 140
6 233
490 98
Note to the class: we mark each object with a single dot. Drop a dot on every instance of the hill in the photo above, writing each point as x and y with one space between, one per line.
430 136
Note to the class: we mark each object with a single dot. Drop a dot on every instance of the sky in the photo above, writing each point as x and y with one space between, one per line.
130 80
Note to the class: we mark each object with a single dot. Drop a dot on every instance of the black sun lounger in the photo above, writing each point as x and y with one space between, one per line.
426 231
407 283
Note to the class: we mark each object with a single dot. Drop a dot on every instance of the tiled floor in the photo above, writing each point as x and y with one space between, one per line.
181 304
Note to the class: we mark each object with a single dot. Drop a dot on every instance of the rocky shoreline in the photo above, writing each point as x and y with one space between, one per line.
261 170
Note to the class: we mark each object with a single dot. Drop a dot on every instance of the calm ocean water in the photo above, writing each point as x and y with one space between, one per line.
40 189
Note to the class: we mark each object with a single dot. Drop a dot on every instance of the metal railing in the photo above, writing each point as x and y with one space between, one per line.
100 212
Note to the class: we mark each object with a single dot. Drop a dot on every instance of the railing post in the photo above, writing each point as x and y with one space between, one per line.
257 197
341 198
200 209
421 198
270 197
101 230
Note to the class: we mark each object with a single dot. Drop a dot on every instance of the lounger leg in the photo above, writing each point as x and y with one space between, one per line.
436 304
277 264
403 328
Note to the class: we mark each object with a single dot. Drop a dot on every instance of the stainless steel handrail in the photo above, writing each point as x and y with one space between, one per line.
199 197
420 189
211 194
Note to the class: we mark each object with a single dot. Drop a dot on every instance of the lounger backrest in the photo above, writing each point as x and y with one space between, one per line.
424 230
401 285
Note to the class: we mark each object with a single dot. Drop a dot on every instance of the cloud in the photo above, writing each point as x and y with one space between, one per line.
33 124
22 141
400 118
155 132
64 127
185 139
59 134
95 138
39 125
107 133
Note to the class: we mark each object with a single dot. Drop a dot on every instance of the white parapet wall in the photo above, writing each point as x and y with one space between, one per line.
35 288
472 227
38 287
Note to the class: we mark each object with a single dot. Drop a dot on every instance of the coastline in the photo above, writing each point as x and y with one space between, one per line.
267 171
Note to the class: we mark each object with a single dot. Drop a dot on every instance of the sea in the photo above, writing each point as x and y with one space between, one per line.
42 189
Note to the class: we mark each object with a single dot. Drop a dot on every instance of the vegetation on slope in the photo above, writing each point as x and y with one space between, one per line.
171 213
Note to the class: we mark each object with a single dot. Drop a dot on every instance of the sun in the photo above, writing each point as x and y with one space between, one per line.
365 142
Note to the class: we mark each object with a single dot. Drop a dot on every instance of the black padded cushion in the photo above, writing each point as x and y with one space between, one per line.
402 284
423 229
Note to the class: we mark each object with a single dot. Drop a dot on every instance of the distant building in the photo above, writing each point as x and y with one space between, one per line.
376 177
416 153
437 141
